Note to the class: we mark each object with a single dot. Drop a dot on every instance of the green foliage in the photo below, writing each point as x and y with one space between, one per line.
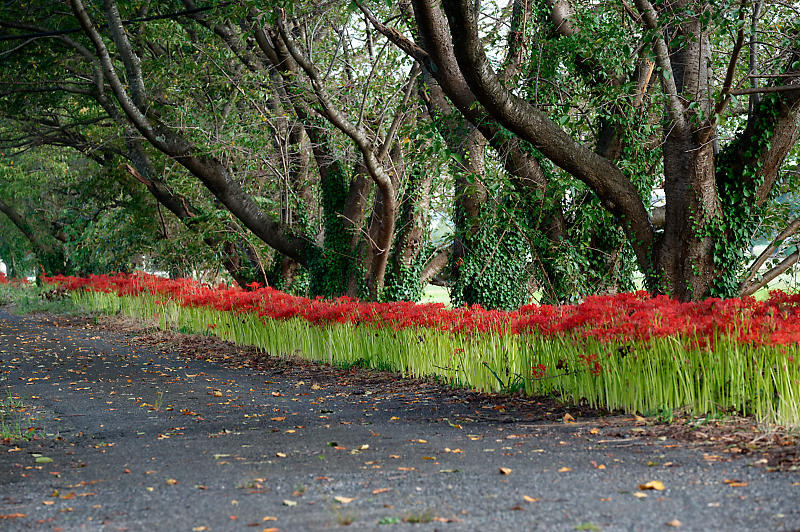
737 185
331 270
492 273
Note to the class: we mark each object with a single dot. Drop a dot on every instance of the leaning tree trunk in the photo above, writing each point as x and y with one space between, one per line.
685 251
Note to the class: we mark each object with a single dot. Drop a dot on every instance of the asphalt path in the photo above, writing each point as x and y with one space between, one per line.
133 437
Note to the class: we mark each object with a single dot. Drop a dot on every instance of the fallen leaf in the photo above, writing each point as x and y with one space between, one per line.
652 485
280 455
429 458
43 460
505 470
269 518
344 500
380 490
568 418
405 469
13 516
528 498
171 481
420 441
517 507
449 471
287 502
640 495
279 418
594 431
364 447
735 483
48 503
674 523
199 528
565 470
272 529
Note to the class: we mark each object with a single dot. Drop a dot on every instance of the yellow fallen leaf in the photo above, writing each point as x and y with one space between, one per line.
639 419
420 441
272 529
735 483
640 495
171 481
652 485
216 393
380 490
393 418
429 458
528 498
280 455
316 387
364 447
568 418
505 470
344 500
565 470
594 431
674 523
269 518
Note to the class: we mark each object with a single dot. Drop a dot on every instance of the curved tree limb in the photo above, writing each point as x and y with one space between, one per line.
616 192
789 230
779 269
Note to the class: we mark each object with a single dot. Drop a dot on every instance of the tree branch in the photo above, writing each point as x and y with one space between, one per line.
650 18
784 265
615 191
788 231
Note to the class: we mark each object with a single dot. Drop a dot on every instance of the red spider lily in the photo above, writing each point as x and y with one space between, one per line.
608 319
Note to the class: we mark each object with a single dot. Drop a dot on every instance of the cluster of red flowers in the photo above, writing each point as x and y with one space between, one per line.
623 317
11 280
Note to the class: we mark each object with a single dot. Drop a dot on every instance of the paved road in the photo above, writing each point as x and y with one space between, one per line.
142 439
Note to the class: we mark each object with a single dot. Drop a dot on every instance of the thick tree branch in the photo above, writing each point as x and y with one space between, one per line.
774 272
614 190
133 65
436 264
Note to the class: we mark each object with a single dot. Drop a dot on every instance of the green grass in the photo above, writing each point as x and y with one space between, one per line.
13 423
31 298
435 294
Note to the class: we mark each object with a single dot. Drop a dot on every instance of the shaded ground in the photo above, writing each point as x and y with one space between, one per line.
150 430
